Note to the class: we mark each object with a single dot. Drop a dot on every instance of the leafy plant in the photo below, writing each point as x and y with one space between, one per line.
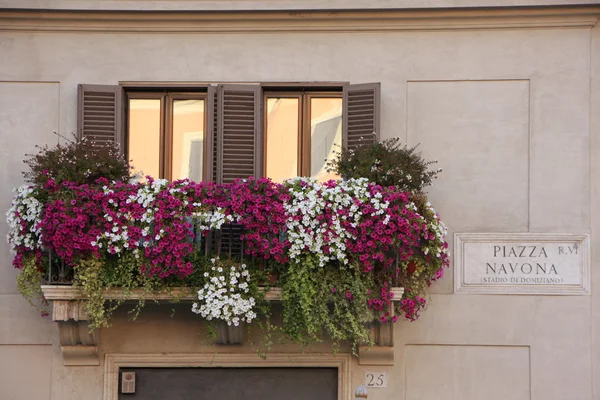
95 275
29 284
325 301
386 163
78 161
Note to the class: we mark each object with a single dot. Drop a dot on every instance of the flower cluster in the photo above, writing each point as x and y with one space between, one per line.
322 218
226 295
351 223
24 218
411 307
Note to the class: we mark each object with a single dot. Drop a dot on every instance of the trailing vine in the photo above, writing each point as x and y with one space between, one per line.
29 284
326 302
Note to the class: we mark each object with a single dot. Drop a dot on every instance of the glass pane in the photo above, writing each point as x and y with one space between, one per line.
144 136
282 138
188 139
325 135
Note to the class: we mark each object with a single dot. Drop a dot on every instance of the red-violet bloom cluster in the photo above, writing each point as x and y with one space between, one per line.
347 222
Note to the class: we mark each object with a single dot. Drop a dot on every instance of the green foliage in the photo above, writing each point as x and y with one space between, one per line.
90 286
79 161
29 284
94 275
386 163
319 301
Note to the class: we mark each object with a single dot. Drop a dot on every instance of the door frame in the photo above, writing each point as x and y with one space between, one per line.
114 361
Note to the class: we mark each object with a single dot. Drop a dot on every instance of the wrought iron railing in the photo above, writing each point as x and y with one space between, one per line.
225 243
59 273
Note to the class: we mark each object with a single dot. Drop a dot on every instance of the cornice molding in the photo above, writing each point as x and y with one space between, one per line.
297 21
71 293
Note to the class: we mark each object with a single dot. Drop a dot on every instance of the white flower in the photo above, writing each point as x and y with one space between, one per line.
24 218
221 297
309 233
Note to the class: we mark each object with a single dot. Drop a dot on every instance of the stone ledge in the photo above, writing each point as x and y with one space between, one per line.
56 292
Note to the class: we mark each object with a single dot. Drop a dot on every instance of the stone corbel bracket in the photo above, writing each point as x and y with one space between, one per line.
382 336
79 346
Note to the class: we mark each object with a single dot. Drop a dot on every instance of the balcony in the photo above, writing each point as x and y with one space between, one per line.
79 344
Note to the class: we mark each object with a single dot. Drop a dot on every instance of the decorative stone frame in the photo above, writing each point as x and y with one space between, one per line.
113 362
581 240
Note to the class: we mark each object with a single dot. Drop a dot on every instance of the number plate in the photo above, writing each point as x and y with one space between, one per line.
375 379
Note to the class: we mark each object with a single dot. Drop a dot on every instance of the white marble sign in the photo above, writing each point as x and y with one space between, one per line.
521 263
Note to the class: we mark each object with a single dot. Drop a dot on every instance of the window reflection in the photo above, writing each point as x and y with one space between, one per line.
326 135
188 139
282 138
144 136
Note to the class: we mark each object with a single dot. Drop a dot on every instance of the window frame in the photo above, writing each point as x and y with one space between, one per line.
304 122
166 98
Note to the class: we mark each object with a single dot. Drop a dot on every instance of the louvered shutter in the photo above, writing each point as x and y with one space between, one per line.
99 113
212 144
360 121
239 142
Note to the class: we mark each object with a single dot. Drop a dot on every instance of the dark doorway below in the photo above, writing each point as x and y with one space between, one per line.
233 384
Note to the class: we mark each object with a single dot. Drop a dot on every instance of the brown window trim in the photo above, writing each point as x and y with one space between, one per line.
306 128
304 123
166 122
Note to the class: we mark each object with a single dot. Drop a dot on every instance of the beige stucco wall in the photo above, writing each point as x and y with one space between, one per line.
511 114
595 203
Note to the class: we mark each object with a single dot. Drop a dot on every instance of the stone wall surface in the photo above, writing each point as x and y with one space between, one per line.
512 115
595 203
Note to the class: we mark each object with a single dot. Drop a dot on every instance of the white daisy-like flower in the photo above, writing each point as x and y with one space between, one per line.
223 296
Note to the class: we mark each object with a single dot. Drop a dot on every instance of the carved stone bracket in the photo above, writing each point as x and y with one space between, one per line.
79 346
382 351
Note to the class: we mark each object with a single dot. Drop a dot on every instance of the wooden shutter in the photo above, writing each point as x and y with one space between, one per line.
239 142
360 121
99 113
211 146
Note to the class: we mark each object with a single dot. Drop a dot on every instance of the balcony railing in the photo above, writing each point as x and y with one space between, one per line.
225 243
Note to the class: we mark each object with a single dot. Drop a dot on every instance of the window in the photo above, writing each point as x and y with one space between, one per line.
224 132
302 131
165 134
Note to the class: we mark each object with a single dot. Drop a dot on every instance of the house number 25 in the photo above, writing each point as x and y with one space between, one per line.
375 379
